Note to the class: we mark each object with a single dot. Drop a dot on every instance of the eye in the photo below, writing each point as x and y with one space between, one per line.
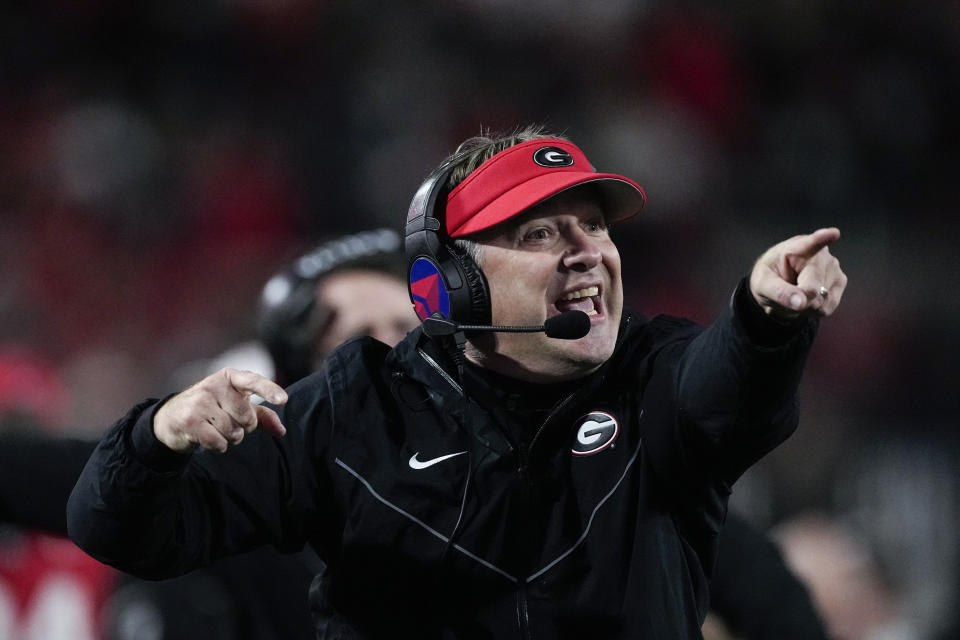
597 225
537 234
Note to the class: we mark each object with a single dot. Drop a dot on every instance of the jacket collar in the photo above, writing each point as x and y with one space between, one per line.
425 361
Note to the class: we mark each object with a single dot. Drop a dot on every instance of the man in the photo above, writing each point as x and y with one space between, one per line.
526 486
49 588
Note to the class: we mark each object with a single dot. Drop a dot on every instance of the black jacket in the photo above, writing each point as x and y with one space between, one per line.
547 540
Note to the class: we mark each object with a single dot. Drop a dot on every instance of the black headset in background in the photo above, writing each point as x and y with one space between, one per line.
441 277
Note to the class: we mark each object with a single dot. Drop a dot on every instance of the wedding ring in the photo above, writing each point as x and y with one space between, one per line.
823 292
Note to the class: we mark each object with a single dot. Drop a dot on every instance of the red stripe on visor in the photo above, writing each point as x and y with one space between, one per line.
526 174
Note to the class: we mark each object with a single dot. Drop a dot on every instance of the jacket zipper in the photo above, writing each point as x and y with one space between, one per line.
523 612
523 450
557 409
523 615
441 371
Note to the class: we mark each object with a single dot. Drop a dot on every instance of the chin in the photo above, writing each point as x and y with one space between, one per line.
597 347
585 359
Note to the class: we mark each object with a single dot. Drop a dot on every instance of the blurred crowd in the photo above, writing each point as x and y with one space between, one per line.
159 161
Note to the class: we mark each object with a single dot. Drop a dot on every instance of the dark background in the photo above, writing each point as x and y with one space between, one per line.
158 161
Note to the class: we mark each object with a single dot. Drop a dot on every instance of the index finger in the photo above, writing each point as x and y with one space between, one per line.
247 382
810 244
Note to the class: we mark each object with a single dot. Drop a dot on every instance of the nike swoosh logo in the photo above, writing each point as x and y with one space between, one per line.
423 464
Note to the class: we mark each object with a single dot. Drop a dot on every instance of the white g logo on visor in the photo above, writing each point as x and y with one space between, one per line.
552 157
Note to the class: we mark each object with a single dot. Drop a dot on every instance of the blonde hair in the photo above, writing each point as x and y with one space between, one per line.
476 150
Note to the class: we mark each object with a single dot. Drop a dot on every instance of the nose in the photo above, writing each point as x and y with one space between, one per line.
582 252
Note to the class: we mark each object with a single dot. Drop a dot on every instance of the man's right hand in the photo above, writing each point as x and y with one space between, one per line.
217 412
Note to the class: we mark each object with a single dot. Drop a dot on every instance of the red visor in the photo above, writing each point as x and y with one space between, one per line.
523 175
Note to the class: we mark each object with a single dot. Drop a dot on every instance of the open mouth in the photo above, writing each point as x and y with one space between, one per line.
586 300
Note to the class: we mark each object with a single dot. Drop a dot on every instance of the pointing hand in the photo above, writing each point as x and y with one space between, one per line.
217 412
799 276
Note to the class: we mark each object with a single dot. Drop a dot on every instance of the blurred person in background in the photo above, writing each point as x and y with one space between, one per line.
754 594
846 578
380 583
49 589
349 285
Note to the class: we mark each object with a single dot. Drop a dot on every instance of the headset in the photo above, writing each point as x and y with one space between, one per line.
441 277
289 319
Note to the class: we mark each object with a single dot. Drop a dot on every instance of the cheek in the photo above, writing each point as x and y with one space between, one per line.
505 298
612 260
612 263
512 288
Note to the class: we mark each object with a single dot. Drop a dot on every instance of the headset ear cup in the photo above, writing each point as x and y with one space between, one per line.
477 292
288 327
464 295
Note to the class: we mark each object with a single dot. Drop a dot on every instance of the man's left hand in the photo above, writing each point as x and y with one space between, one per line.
799 276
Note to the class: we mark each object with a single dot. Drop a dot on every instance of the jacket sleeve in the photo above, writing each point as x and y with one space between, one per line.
716 401
37 472
154 513
736 386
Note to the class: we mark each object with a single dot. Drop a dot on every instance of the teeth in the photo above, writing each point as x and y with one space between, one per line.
582 293
592 312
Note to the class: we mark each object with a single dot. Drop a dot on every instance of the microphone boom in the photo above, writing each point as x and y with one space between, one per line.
569 325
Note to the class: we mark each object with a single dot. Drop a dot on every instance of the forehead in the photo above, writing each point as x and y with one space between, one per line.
350 284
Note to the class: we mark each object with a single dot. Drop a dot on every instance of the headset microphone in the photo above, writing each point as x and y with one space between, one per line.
569 325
